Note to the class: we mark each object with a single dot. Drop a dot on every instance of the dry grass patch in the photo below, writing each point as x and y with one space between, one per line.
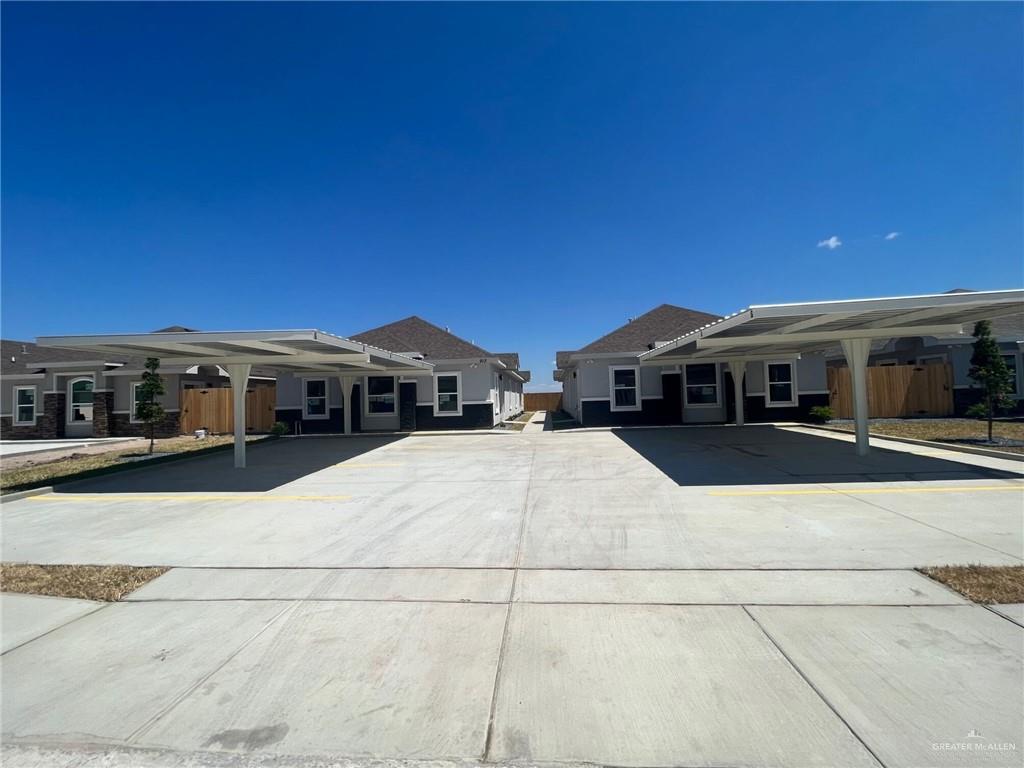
946 431
107 583
982 583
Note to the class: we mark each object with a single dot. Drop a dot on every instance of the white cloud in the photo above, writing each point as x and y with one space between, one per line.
832 243
893 235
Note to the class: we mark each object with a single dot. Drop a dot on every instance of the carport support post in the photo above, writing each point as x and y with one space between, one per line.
239 375
857 351
347 382
738 369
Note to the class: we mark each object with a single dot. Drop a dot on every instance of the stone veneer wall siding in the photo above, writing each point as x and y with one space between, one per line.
121 425
102 413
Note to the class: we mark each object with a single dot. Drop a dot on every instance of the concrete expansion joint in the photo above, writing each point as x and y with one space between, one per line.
175 701
812 686
489 736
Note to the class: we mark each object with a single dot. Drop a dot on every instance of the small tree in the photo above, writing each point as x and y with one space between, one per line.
989 370
147 409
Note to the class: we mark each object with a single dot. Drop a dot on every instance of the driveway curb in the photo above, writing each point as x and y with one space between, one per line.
992 454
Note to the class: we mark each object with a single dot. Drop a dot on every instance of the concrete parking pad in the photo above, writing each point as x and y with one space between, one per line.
106 675
24 617
386 679
1013 611
733 587
913 681
350 599
433 584
658 686
655 524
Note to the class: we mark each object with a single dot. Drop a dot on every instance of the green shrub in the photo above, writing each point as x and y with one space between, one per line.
977 411
279 429
820 414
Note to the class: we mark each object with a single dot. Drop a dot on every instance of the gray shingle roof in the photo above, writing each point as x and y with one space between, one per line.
19 354
660 324
510 359
414 334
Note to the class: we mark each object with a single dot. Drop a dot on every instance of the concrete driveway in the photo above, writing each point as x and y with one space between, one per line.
665 597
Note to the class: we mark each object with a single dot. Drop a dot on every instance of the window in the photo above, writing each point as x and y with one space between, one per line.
80 401
1011 364
931 360
24 405
625 388
380 394
448 394
781 381
702 385
314 401
136 395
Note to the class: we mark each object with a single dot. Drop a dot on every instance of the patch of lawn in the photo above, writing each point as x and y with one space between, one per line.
966 431
982 583
518 424
107 583
89 465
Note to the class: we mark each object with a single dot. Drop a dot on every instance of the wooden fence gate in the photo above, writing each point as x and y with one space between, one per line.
542 401
211 409
896 391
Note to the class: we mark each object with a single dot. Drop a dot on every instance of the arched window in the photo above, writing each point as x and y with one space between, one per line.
79 400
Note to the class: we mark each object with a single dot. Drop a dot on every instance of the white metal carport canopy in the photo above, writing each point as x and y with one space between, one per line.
787 330
238 352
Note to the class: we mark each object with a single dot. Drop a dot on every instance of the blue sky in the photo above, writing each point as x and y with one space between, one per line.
529 175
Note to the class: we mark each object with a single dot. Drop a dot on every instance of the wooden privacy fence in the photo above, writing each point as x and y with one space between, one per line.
542 401
211 409
896 391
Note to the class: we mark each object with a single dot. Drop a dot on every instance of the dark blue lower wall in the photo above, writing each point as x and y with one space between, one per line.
964 398
477 416
598 413
333 425
755 409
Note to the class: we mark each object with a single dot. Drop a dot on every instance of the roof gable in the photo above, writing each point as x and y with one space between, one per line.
414 334
662 323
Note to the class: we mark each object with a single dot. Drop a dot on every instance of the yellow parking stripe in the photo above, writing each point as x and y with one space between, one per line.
109 497
826 492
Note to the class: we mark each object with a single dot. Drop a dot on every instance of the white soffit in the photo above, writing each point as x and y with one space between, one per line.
298 351
788 329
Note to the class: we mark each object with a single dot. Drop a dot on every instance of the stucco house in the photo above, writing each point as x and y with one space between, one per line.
606 384
467 388
51 392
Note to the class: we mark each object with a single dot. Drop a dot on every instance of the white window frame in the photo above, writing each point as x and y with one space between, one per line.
306 415
132 410
768 402
1016 372
366 398
69 405
611 388
718 387
35 406
458 392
